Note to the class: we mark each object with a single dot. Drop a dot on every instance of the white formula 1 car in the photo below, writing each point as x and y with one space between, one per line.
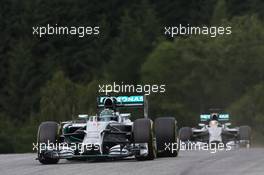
109 134
215 128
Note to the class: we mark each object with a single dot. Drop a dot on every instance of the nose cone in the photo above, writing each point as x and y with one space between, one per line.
213 123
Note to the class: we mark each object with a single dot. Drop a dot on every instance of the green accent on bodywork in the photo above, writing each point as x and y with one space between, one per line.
125 99
205 117
72 139
69 138
221 117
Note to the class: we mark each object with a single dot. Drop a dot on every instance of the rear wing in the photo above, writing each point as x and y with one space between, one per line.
138 101
205 117
221 117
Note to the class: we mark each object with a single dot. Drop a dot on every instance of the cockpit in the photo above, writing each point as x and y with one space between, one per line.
107 115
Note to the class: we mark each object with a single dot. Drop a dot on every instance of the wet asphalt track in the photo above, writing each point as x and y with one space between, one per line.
235 162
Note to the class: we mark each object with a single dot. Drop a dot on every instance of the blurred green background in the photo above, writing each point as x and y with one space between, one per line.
57 77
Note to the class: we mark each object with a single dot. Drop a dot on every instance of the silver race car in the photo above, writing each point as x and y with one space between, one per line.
109 134
215 129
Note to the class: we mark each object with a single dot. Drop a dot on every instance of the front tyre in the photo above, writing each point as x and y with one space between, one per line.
245 136
165 129
143 134
47 133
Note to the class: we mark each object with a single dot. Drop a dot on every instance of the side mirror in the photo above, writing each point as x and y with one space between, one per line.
84 116
227 124
126 115
201 125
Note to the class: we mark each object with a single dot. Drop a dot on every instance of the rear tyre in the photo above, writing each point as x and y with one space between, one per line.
245 135
143 133
165 130
47 133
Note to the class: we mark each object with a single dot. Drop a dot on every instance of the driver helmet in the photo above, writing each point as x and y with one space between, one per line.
214 116
108 115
